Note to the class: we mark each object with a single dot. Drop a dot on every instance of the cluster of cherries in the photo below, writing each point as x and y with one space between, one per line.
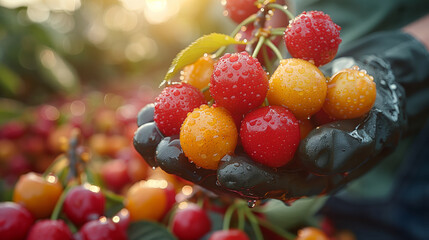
267 116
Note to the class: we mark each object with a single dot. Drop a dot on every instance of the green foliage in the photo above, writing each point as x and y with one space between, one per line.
203 45
146 230
10 82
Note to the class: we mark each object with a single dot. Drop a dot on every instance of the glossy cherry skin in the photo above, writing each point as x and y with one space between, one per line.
270 135
115 174
84 203
231 234
50 230
37 194
15 221
103 229
122 219
191 223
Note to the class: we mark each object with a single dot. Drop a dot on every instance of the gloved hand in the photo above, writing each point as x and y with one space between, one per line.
328 158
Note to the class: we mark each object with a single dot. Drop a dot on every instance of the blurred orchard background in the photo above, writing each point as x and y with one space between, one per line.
90 65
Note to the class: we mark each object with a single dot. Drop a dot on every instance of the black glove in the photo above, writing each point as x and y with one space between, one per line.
332 154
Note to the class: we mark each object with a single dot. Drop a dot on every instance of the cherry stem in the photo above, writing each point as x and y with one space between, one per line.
258 46
267 61
200 202
277 31
281 8
237 29
274 48
52 165
254 223
205 89
169 217
266 103
112 196
241 218
279 231
228 215
59 205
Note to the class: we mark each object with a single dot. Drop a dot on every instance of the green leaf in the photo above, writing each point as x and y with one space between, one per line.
9 80
146 230
205 44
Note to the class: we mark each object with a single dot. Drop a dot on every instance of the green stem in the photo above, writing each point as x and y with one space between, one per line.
258 46
255 225
274 48
237 29
267 61
59 205
200 202
205 89
281 8
266 102
55 162
241 218
169 216
228 215
277 31
246 21
113 196
279 231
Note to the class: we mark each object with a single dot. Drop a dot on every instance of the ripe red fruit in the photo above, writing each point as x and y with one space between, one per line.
170 193
238 10
232 234
15 221
12 130
173 104
239 83
270 135
115 174
50 230
122 219
191 223
313 36
103 229
84 203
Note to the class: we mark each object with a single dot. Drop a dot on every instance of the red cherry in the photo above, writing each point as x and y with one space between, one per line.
173 104
238 10
103 229
313 36
115 174
50 230
15 221
122 219
84 203
191 223
12 130
270 135
232 234
239 83
170 192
